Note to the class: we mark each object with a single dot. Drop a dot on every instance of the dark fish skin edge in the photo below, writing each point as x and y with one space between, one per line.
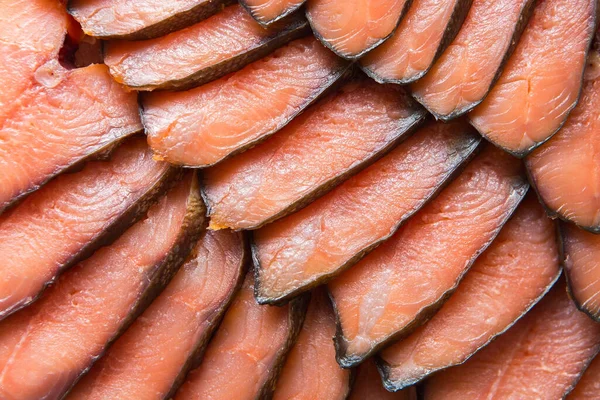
461 9
194 224
173 23
340 75
472 151
293 27
340 343
281 16
526 13
364 51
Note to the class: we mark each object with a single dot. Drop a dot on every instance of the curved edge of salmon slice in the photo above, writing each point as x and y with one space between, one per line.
367 386
588 386
289 7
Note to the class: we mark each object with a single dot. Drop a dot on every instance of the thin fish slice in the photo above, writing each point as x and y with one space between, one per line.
519 267
542 80
588 386
566 170
207 124
153 356
310 371
541 357
310 155
351 28
200 53
367 386
422 36
45 348
72 216
467 70
268 11
245 357
401 284
334 232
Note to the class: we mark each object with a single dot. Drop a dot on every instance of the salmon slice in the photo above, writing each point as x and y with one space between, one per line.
401 284
566 170
519 267
72 216
589 385
368 386
313 153
310 371
422 36
353 28
200 53
541 357
46 347
136 20
203 126
265 12
542 80
334 232
245 357
466 71
153 356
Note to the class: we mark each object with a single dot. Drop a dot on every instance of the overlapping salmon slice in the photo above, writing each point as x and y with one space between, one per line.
72 216
542 80
353 28
566 170
245 357
367 386
331 140
588 386
320 241
200 53
310 371
46 347
202 126
153 356
423 34
519 267
268 11
402 283
464 74
541 357
139 19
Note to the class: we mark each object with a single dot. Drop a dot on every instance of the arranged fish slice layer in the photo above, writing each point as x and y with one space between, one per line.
566 170
466 71
136 20
423 34
200 53
268 11
153 356
46 347
588 386
310 155
367 386
542 80
310 371
202 126
401 284
519 267
67 116
541 357
309 247
353 28
246 355
72 216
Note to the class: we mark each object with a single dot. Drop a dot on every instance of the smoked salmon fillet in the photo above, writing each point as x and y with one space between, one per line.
518 268
541 357
422 36
139 19
45 348
402 283
268 11
333 139
542 80
334 232
351 28
588 386
68 219
153 356
310 371
566 169
203 52
367 386
466 71
246 355
205 125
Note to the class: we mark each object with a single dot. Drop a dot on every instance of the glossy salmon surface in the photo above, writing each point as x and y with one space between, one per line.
367 386
588 386
268 11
